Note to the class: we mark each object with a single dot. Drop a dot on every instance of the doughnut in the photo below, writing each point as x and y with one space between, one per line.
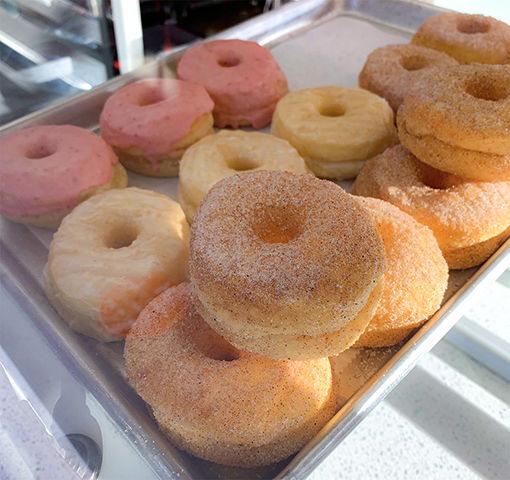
150 123
414 281
111 256
458 120
242 77
285 266
390 71
48 170
217 402
335 129
226 153
467 38
470 219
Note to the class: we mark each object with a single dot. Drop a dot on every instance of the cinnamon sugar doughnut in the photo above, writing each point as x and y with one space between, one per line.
390 71
217 402
111 256
467 38
414 281
229 152
151 123
242 77
285 265
47 170
470 219
335 129
458 120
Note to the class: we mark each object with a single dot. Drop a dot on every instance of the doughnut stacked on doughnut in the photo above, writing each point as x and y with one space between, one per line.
48 170
470 219
458 120
242 77
285 266
391 71
335 129
111 256
217 402
467 38
150 123
226 153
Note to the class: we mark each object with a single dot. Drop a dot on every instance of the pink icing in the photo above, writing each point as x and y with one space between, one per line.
45 168
242 78
153 115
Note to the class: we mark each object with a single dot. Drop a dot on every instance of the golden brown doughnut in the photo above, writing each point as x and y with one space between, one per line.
285 265
470 219
335 129
458 120
217 402
390 71
467 38
414 281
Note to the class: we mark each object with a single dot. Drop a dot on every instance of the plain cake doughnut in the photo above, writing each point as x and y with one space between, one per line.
151 123
470 219
285 265
458 120
467 38
390 71
217 402
335 129
47 170
414 281
229 152
111 256
242 77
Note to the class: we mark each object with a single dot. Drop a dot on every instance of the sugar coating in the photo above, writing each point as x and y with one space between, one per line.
414 281
468 38
466 106
390 71
272 252
470 219
217 402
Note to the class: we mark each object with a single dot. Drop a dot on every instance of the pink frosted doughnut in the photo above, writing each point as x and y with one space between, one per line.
152 122
47 170
242 78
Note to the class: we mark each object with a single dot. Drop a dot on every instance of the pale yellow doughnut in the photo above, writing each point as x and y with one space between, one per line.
335 129
111 256
229 152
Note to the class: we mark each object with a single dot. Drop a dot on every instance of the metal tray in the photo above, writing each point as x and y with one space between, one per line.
317 42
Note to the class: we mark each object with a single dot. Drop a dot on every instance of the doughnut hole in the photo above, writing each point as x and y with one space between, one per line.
212 345
41 150
437 179
471 25
414 62
229 60
121 235
332 110
242 162
150 97
277 227
485 88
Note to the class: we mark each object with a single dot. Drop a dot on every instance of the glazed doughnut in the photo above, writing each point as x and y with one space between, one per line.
458 120
111 256
470 219
467 38
335 129
390 71
219 403
414 281
229 152
285 266
150 123
48 170
242 78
